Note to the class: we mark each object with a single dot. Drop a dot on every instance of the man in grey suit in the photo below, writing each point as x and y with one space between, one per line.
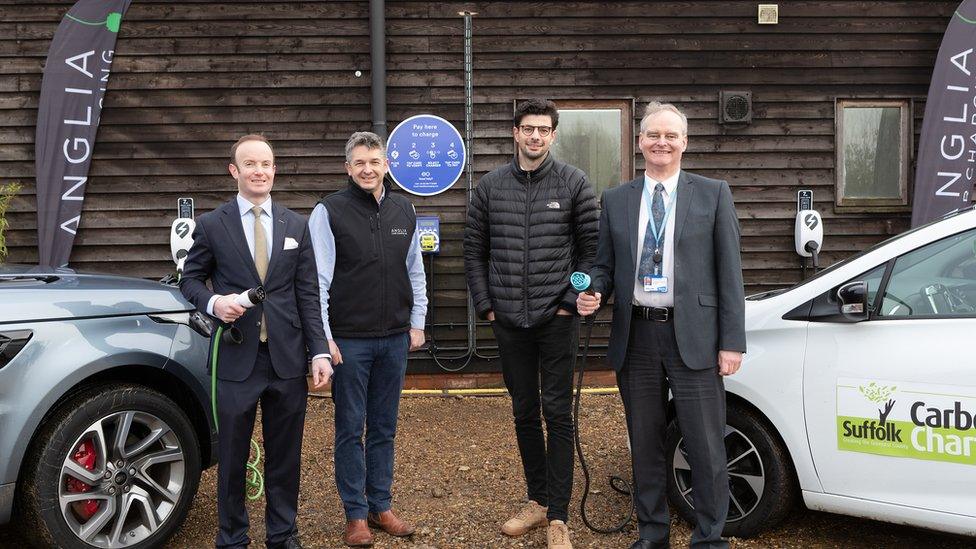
669 246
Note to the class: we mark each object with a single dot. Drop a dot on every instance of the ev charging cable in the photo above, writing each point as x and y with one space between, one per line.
254 480
581 283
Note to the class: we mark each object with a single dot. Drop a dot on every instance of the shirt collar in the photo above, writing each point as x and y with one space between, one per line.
670 184
244 205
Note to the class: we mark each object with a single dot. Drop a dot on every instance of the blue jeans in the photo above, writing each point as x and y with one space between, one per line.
366 389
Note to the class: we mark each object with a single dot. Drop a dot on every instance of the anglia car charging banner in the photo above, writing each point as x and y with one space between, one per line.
946 167
75 77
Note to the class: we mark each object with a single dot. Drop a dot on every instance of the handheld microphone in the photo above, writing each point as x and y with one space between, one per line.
251 297
581 282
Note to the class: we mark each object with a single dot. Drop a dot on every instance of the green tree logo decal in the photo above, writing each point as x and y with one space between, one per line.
878 394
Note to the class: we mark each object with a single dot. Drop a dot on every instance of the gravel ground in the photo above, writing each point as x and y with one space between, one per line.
458 476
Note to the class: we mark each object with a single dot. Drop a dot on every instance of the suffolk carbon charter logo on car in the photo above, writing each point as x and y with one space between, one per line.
909 420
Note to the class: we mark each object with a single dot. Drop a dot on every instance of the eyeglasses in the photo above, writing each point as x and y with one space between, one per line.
669 137
527 130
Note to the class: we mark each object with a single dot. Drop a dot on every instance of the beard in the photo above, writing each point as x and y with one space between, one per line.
532 155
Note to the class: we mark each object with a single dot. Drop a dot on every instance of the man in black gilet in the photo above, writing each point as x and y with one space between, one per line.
374 302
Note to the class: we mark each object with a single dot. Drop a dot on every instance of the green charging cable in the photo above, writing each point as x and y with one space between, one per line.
254 480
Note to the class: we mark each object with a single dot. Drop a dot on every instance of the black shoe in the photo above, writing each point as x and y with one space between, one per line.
648 544
290 543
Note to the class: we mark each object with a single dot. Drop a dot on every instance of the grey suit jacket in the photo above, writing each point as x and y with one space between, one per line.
292 310
709 301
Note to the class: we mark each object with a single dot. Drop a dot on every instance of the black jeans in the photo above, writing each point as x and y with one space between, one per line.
529 355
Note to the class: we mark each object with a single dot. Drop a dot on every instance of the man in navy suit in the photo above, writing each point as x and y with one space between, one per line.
669 250
245 243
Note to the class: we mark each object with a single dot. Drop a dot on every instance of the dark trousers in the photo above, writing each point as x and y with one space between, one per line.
366 389
282 419
530 355
653 365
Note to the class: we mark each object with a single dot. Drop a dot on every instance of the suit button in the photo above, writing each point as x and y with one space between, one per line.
258 324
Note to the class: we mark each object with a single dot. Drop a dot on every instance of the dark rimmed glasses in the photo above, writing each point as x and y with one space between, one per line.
528 130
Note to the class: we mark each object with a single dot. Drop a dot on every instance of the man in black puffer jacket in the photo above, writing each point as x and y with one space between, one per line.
531 223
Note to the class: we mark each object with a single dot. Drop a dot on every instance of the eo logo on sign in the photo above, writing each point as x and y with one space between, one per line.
928 422
426 155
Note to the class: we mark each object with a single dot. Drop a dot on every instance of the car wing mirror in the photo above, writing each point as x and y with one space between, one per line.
853 298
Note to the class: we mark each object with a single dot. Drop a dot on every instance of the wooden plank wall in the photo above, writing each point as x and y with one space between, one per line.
189 77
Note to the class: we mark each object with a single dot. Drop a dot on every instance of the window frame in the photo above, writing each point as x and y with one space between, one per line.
628 137
903 202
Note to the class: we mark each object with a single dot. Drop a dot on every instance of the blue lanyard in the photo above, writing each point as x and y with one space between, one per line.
657 233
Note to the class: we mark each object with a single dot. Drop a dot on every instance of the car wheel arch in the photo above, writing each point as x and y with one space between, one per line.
152 377
750 419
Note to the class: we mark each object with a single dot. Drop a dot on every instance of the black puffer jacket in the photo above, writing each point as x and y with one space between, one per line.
526 233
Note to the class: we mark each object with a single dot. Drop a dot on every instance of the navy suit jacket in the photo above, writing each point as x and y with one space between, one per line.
220 254
709 301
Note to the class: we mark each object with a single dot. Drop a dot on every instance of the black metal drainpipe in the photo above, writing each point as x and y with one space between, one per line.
377 52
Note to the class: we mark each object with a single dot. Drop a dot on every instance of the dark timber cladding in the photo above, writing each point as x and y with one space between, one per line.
189 77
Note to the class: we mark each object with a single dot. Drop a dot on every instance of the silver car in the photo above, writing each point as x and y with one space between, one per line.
105 419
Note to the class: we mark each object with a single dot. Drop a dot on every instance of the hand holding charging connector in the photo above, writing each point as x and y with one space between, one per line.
588 301
230 307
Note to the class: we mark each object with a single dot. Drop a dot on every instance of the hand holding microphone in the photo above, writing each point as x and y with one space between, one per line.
588 301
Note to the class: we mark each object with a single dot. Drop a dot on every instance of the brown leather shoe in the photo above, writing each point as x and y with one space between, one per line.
390 523
358 534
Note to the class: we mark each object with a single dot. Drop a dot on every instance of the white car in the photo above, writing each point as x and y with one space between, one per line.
858 391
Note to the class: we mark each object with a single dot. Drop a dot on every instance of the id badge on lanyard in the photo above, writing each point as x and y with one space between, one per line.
656 281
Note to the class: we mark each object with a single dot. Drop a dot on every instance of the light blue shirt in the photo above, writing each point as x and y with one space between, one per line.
324 245
247 221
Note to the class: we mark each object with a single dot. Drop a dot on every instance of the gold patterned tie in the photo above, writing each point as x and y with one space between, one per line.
260 258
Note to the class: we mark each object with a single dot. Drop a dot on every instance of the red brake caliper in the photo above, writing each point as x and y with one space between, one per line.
85 456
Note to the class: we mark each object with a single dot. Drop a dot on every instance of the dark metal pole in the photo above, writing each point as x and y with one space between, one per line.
377 51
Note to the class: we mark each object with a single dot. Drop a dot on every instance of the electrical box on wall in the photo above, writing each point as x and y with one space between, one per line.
734 107
768 14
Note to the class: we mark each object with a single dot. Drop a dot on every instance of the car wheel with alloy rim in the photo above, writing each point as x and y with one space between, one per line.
115 466
762 485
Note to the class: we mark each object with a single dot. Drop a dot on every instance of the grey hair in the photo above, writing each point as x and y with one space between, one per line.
655 107
364 139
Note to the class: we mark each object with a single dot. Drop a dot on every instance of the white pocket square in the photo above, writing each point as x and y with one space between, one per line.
290 243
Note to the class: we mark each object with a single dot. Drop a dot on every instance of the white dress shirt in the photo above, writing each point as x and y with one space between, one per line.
656 299
247 221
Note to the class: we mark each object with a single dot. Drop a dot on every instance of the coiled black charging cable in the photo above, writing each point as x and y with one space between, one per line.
581 283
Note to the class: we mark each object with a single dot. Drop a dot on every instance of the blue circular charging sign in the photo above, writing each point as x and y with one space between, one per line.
426 154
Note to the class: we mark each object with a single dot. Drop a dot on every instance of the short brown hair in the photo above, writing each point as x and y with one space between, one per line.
537 106
244 139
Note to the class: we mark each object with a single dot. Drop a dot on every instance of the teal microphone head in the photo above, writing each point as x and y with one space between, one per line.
580 281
